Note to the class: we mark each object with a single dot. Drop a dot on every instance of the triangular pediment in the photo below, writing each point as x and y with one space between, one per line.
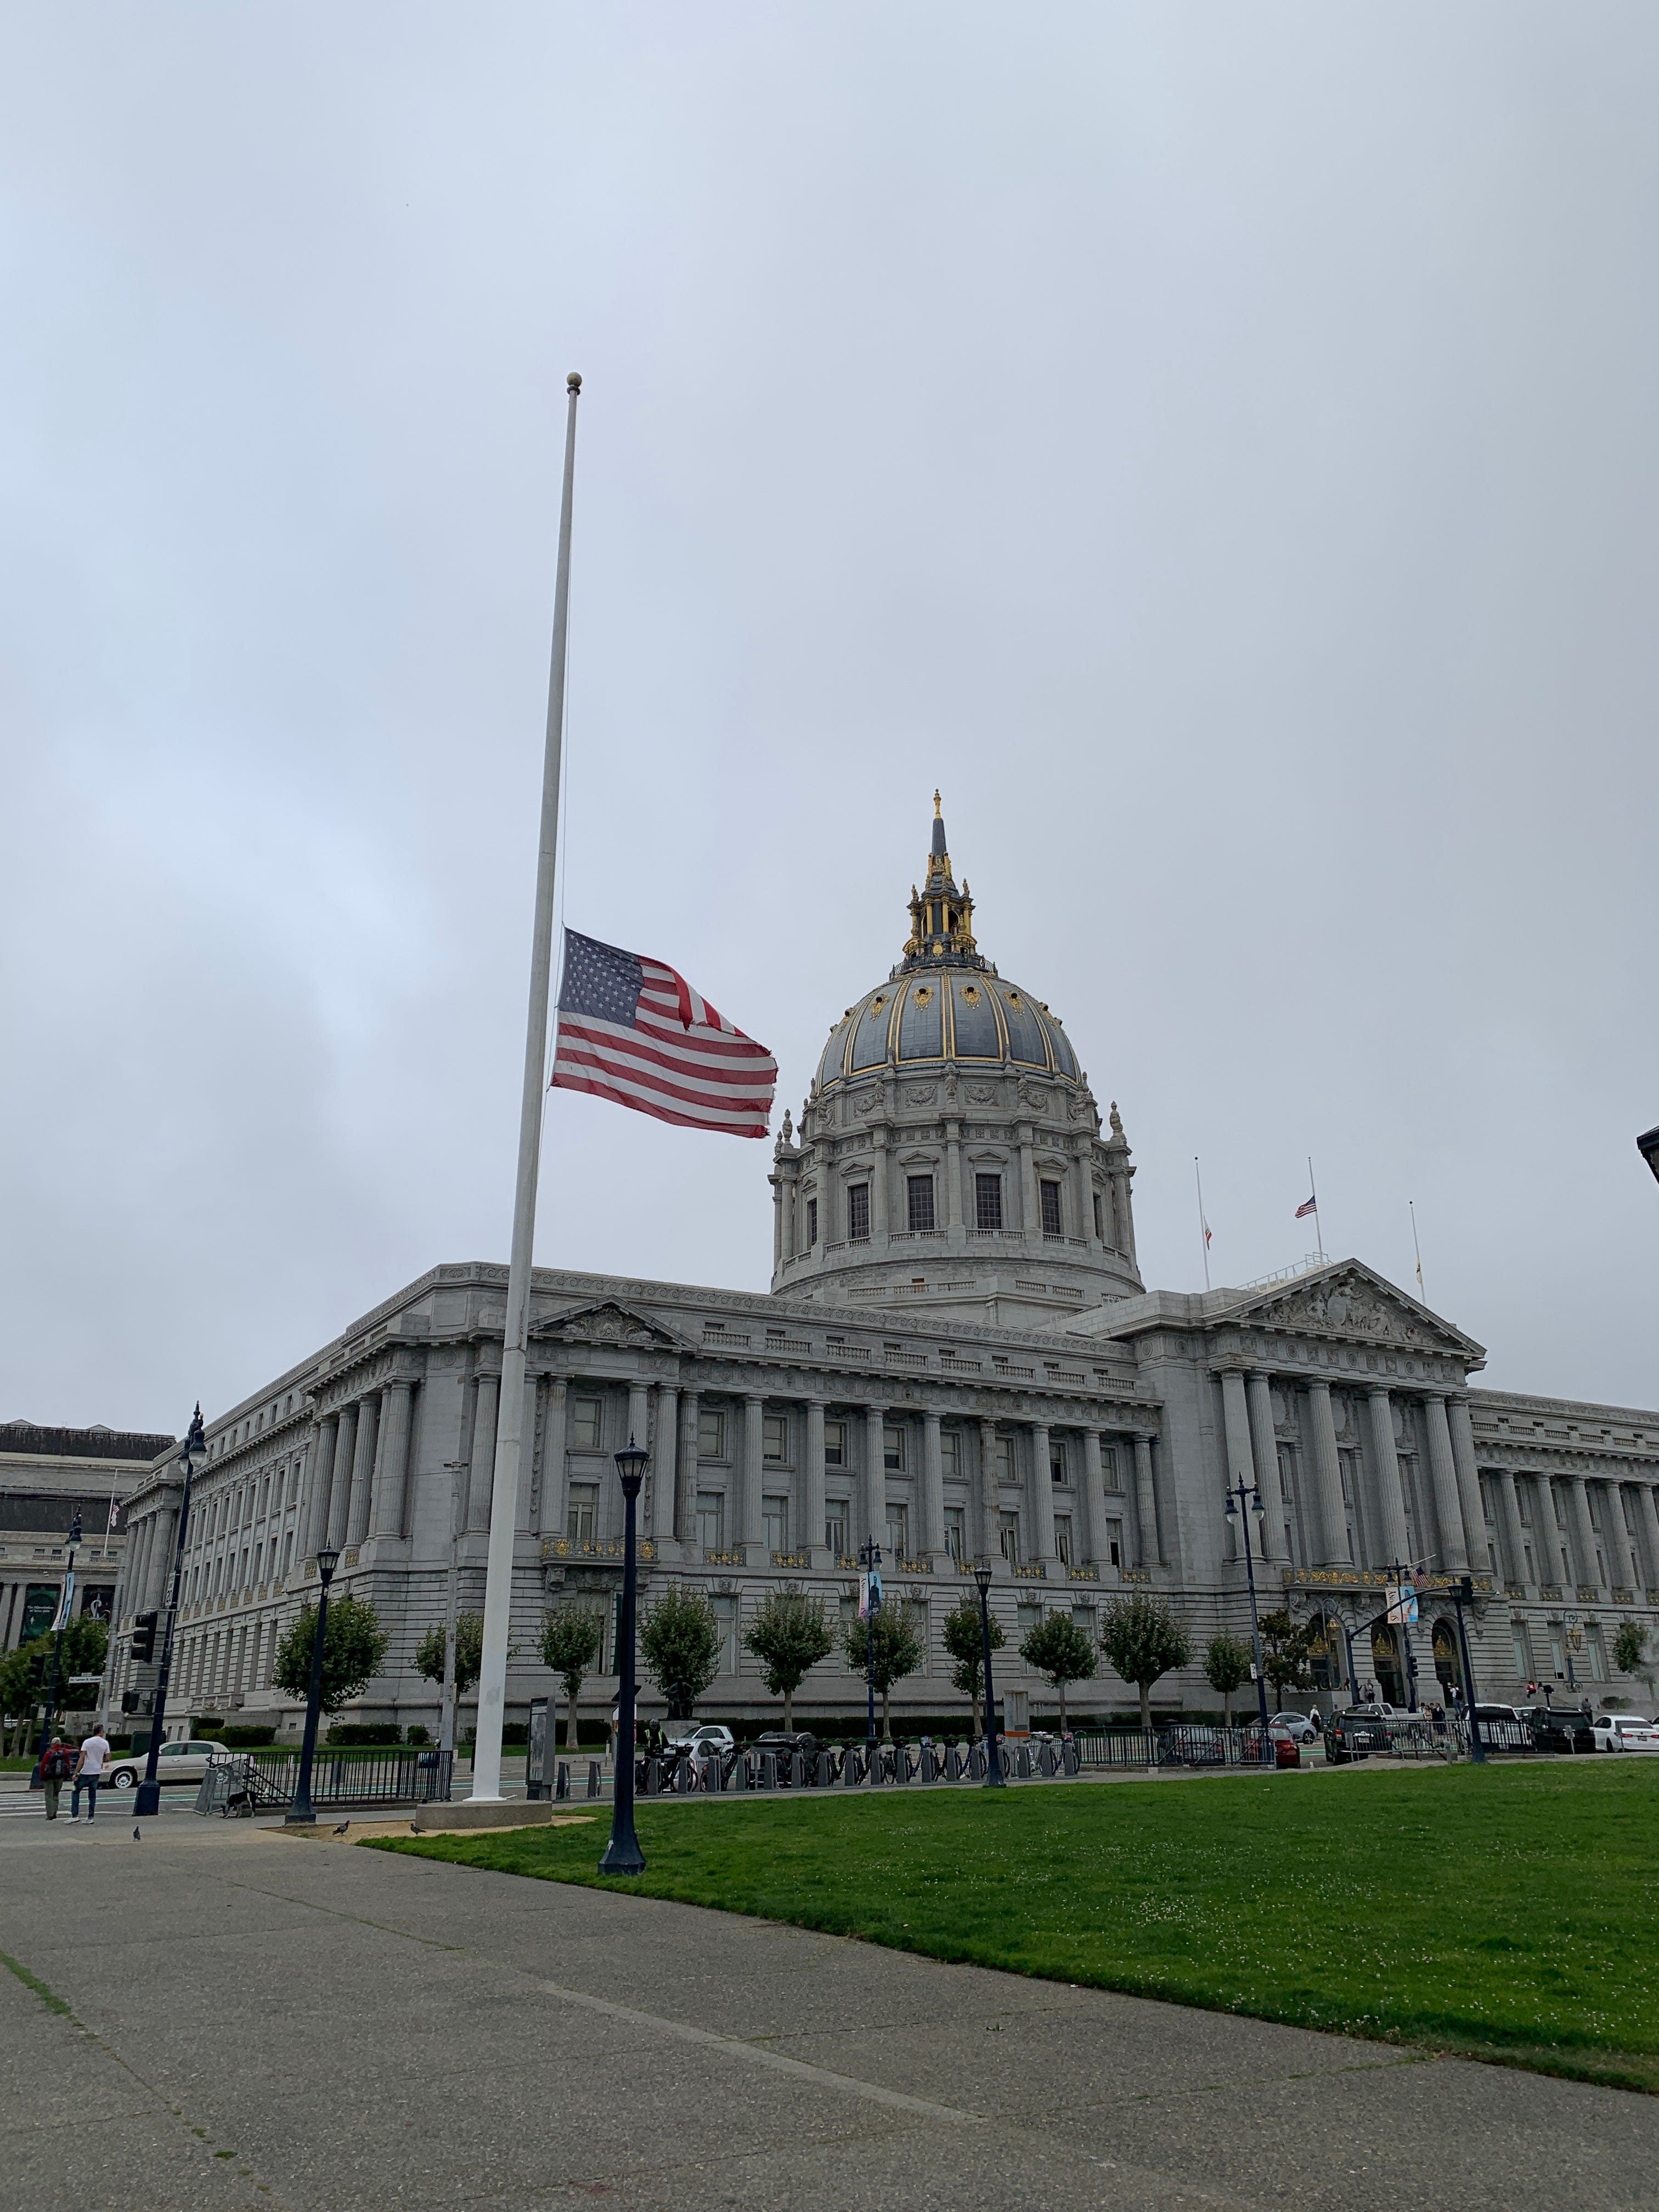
608 1323
1351 1301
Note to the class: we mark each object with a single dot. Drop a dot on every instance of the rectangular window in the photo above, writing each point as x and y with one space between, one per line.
1596 1654
711 1520
835 1526
1010 1523
711 1433
955 1532
1057 1463
580 1512
1063 1538
892 1447
1111 1473
919 1193
950 1454
898 1533
1524 1503
1115 1542
774 1516
988 1201
1005 1459
835 1444
585 1415
1522 1651
1048 1204
774 1433
1532 1576
1100 1228
811 1223
858 1213
288 1555
726 1620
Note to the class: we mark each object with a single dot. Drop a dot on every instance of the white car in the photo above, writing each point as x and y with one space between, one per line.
1624 1732
1300 1728
174 1762
712 1740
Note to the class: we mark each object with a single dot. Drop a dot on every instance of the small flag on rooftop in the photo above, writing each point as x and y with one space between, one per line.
632 1030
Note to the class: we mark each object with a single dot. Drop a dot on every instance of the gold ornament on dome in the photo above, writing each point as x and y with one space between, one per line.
922 995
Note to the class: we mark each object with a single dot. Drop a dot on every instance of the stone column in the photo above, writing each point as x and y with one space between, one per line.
556 1493
1043 1495
481 1478
1264 1456
812 1485
753 1527
1085 1198
1385 1475
315 1519
1515 1539
1583 1530
392 1472
1031 1221
1458 1551
1236 1425
658 1518
879 1224
1328 1476
1091 1496
339 1496
875 1476
990 1499
1650 1518
1468 1477
685 1486
777 1221
929 1537
362 1468
955 1240
1147 1530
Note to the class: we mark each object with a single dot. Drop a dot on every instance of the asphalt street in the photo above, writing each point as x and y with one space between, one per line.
217 2015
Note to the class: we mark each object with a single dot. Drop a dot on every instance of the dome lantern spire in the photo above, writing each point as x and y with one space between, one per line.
941 916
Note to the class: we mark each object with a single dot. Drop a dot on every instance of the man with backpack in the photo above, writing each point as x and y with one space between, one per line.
54 1773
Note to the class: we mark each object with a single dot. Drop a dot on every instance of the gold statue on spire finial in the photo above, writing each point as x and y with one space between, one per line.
936 803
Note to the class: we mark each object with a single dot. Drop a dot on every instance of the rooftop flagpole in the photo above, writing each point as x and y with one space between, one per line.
1319 1226
509 1431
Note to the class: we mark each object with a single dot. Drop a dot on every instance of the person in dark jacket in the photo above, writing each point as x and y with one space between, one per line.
54 1773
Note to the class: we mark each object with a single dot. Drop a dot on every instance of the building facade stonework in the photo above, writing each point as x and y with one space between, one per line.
957 1358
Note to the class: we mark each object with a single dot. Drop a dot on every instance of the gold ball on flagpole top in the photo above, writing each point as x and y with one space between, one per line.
573 382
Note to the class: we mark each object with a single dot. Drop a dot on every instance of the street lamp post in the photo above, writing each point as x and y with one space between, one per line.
994 1777
870 1558
622 1854
1399 1574
1243 1499
300 1814
193 1457
65 1602
1462 1593
1648 1145
456 1468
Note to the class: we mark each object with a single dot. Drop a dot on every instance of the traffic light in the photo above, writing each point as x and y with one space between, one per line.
129 1701
143 1636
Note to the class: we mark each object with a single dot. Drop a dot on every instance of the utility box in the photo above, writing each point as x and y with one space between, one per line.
536 1773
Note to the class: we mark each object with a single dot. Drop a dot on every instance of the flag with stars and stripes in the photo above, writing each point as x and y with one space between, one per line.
633 1030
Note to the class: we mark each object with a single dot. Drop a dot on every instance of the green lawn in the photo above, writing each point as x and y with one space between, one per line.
1511 1913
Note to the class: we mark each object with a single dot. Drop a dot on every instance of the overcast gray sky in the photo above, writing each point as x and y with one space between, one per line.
1217 447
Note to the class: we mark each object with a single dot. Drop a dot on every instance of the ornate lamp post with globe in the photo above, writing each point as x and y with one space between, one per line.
1246 1493
300 1814
622 1854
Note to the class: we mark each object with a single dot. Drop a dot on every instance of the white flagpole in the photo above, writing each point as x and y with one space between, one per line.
1319 1226
1203 1225
509 1429
1417 1248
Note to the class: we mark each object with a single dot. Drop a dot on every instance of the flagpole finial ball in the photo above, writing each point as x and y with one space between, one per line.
573 383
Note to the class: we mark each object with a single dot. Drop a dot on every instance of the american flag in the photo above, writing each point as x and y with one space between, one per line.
1310 1206
634 1031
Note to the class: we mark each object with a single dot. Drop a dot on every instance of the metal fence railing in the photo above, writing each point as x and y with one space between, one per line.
265 1781
1185 1744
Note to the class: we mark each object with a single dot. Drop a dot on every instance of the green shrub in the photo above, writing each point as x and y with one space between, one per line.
247 1739
415 1733
364 1732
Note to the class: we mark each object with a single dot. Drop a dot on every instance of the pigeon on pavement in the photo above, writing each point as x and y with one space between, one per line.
344 1825
135 1834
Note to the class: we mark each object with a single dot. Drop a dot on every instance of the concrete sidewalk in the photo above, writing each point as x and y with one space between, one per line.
219 2015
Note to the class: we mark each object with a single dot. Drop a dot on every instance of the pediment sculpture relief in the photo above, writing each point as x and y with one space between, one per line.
607 1324
1349 1307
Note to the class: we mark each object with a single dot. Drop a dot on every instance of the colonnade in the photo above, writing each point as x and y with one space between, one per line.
1616 1558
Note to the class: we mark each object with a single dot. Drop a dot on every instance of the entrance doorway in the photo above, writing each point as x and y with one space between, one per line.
1387 1664
1447 1670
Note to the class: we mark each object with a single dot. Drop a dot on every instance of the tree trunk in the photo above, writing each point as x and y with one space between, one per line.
788 1712
977 1731
1061 1687
1145 1689
572 1691
886 1722
1226 1709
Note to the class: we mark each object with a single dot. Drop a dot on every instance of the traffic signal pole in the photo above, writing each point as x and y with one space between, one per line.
148 1799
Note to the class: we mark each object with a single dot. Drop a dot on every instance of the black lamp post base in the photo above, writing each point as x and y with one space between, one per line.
622 1855
298 1819
148 1802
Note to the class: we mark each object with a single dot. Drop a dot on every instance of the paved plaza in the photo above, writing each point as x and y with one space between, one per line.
223 2015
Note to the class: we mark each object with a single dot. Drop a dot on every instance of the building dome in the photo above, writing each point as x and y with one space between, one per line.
949 1123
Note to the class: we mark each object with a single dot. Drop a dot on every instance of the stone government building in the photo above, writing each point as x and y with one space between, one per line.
957 1356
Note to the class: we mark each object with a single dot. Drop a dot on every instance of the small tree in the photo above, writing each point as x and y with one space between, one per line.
25 1673
1144 1640
1226 1668
964 1641
571 1639
469 1653
1285 1650
353 1648
1631 1655
680 1643
1058 1647
897 1651
789 1636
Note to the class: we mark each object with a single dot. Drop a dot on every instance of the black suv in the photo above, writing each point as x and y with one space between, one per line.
1557 1728
1353 1736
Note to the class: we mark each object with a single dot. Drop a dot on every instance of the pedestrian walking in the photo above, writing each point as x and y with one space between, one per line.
54 1773
89 1773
